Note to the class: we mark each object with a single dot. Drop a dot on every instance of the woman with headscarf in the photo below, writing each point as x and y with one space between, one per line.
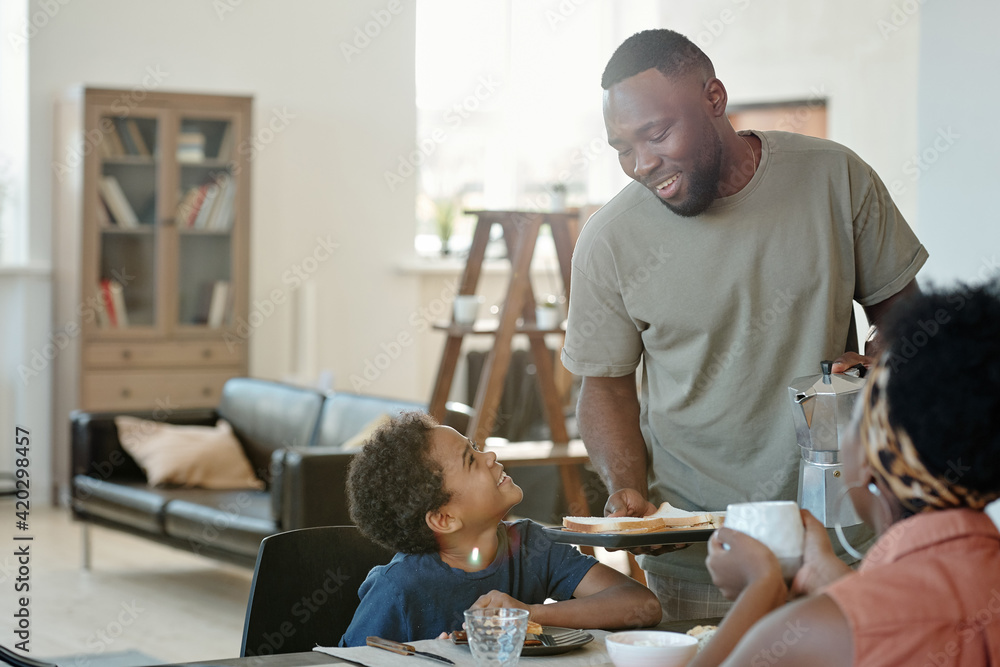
922 466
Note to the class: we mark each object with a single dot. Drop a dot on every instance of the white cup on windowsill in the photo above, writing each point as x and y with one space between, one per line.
466 308
547 316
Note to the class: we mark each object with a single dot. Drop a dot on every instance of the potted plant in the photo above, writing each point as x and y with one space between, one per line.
444 217
547 312
559 197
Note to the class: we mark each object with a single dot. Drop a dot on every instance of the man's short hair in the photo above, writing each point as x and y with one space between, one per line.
665 50
393 483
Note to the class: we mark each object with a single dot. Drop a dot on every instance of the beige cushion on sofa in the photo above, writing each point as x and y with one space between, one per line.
358 440
190 456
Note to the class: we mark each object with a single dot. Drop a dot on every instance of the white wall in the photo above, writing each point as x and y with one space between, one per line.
775 50
319 178
351 122
956 164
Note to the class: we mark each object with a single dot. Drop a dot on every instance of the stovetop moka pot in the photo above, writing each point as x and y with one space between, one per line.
821 407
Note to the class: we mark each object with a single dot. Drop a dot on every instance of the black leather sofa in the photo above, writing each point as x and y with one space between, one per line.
292 437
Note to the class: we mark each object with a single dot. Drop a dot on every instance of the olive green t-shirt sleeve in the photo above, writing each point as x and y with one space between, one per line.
887 252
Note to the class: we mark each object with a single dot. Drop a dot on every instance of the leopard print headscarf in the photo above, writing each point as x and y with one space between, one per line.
891 454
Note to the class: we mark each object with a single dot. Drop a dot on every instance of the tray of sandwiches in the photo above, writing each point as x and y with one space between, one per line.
667 525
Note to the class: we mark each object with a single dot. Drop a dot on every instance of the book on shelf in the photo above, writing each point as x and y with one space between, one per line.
115 147
118 301
103 217
121 124
220 303
209 205
118 204
103 320
211 193
218 217
112 312
225 151
224 220
135 135
190 147
190 202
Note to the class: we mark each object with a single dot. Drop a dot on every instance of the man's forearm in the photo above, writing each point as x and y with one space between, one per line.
608 415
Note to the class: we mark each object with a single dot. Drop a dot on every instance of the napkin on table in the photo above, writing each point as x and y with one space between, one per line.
592 654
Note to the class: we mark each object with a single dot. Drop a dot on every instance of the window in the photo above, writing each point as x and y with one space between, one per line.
509 107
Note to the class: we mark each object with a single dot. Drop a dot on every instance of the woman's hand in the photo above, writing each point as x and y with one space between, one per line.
736 560
820 566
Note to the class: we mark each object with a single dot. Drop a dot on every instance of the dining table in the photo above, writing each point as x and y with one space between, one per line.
592 654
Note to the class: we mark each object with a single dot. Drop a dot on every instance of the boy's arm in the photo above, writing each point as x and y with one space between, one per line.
604 598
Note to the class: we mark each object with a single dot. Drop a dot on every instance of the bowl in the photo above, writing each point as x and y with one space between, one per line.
650 648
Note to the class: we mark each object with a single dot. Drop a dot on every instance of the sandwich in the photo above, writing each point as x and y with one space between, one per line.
667 517
703 633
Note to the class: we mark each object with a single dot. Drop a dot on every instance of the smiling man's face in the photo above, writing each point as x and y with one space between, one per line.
662 128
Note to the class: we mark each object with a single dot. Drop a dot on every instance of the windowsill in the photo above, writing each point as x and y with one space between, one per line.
449 266
29 270
446 266
542 261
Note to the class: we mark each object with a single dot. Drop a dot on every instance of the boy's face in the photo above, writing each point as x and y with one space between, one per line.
480 489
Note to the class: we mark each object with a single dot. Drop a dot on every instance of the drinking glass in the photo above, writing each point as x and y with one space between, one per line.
496 635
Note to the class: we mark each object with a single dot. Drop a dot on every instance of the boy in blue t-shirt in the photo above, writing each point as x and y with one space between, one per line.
429 493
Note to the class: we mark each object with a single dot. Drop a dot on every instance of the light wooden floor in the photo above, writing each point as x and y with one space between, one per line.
168 604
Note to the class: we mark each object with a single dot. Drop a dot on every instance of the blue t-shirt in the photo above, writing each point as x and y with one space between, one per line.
418 596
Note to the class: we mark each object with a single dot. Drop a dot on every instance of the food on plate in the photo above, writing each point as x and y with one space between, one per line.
703 633
667 517
462 637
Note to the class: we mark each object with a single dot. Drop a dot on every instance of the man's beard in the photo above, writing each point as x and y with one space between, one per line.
703 180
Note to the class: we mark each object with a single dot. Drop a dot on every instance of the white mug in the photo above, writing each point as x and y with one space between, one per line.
778 524
466 308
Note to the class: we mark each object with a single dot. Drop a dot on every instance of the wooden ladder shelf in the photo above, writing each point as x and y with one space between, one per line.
520 233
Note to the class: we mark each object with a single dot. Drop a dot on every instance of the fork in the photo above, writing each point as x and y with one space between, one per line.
563 638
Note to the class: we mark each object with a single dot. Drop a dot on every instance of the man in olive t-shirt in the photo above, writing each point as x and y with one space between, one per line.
728 268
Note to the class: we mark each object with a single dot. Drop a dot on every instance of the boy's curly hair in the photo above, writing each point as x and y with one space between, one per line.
393 482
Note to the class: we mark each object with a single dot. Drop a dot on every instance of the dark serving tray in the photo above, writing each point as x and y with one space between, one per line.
628 540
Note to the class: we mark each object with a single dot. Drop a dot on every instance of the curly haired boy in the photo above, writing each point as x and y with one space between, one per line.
429 493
